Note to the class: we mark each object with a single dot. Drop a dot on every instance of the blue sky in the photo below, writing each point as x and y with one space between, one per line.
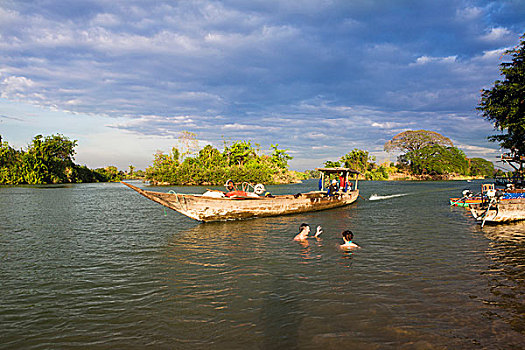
319 78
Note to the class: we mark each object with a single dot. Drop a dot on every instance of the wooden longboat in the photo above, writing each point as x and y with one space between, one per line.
208 209
499 211
507 204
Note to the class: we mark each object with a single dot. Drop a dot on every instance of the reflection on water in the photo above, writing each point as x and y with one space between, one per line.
281 316
97 266
506 273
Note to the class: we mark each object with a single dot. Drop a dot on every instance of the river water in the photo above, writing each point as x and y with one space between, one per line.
99 266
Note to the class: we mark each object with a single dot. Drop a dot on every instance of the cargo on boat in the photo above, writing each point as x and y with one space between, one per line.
249 202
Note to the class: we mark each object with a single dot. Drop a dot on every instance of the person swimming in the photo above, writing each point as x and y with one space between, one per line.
304 230
348 236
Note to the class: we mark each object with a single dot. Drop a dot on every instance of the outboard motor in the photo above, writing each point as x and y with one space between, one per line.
467 193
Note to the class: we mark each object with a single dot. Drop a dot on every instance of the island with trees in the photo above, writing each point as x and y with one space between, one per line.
48 160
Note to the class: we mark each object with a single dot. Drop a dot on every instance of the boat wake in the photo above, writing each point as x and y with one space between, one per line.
376 197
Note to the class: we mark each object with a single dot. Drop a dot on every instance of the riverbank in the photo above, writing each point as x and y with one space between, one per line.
447 177
295 177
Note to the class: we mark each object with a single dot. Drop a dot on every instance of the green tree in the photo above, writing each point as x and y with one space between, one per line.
332 164
279 157
358 160
481 167
10 165
209 157
164 167
411 140
110 173
436 160
239 152
50 158
504 104
420 146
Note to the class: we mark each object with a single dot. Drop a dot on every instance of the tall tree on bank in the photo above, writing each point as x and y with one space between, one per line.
428 153
417 145
504 104
414 140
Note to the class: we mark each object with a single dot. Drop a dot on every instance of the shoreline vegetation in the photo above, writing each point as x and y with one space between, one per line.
428 156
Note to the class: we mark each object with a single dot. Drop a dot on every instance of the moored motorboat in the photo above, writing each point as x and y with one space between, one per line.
238 204
467 199
505 204
499 210
465 202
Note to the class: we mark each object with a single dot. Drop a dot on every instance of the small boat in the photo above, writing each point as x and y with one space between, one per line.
467 199
465 202
503 205
238 204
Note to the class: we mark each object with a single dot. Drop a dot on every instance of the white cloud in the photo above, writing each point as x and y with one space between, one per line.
388 125
237 126
20 88
422 60
105 20
469 13
496 34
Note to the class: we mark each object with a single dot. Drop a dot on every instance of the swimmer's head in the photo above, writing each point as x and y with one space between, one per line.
348 235
303 226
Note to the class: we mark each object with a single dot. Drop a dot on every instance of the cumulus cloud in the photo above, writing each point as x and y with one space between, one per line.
469 13
496 34
427 60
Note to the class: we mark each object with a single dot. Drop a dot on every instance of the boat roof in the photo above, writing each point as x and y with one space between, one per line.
337 170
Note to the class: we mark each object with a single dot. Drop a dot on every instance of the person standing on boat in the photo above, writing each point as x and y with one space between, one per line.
304 230
342 182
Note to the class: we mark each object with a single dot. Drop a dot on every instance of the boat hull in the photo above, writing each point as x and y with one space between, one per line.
459 202
208 209
504 211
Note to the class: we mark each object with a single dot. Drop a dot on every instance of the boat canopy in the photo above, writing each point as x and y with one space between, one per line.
337 170
343 171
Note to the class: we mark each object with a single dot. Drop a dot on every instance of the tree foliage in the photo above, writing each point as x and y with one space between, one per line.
279 157
332 164
481 167
436 160
430 153
358 160
240 162
504 104
240 152
48 160
363 162
411 140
